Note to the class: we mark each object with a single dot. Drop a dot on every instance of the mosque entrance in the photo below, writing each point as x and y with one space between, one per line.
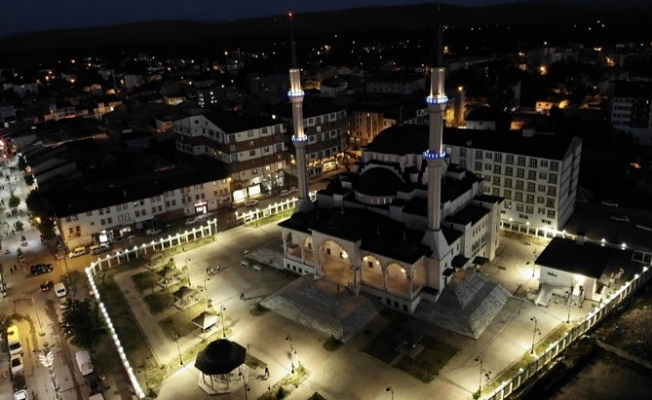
335 263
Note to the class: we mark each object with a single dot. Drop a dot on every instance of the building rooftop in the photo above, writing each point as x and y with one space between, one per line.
586 259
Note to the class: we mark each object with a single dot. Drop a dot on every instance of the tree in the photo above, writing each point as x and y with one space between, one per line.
13 201
41 215
83 324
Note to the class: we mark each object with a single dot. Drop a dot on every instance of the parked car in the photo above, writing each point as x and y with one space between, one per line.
38 269
60 289
251 203
47 286
191 220
94 384
609 203
21 395
77 251
99 248
619 218
17 364
152 231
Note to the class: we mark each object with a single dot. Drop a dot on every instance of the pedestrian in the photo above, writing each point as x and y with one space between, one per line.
266 372
12 270
241 296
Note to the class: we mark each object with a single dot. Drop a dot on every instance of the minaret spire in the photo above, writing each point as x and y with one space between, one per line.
435 155
299 138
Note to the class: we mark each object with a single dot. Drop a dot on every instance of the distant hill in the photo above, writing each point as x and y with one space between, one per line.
381 19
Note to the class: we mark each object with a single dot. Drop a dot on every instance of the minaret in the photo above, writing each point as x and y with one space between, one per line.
299 139
435 155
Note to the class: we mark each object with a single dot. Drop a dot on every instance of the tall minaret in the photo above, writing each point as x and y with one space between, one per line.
299 139
435 155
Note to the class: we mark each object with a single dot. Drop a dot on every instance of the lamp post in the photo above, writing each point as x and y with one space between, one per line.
176 339
534 263
47 360
206 279
145 371
292 351
534 333
222 309
41 332
487 374
188 259
570 300
389 389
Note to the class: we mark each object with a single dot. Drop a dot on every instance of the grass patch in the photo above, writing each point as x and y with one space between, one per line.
427 364
254 363
523 362
159 301
258 310
384 346
332 344
131 338
285 386
181 322
145 281
272 218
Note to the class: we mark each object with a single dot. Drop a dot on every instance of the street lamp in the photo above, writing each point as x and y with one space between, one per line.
534 333
534 263
206 279
570 300
176 339
38 318
292 351
389 389
222 309
145 360
188 259
47 360
483 371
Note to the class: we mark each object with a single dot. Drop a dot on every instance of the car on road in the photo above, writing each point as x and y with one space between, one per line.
38 269
21 395
191 220
47 286
251 203
619 218
99 248
77 252
17 364
152 231
609 203
60 289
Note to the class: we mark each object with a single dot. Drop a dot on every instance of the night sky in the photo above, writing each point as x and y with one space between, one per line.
38 15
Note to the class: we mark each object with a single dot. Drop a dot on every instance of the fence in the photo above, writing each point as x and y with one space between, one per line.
271 209
507 388
125 255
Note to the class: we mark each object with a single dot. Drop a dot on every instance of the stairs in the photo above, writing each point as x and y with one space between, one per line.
320 306
467 306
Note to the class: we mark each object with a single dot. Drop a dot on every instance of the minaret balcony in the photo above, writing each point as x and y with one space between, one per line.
296 93
428 155
438 99
296 139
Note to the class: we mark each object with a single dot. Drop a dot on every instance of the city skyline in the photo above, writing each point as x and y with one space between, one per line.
39 15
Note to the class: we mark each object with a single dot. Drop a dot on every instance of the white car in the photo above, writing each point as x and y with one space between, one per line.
191 220
619 218
251 203
21 395
17 364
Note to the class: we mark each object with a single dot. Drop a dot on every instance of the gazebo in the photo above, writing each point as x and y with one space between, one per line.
222 367
205 321
167 275
185 296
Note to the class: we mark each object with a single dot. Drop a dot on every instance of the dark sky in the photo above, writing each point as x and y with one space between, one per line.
38 15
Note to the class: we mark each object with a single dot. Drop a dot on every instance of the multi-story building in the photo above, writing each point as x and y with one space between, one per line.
396 83
325 125
536 174
106 212
251 147
630 108
370 116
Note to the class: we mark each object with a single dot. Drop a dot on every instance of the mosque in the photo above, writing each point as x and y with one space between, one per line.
406 231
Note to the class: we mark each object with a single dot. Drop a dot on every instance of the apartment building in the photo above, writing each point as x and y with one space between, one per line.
106 214
537 174
325 124
630 108
251 147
